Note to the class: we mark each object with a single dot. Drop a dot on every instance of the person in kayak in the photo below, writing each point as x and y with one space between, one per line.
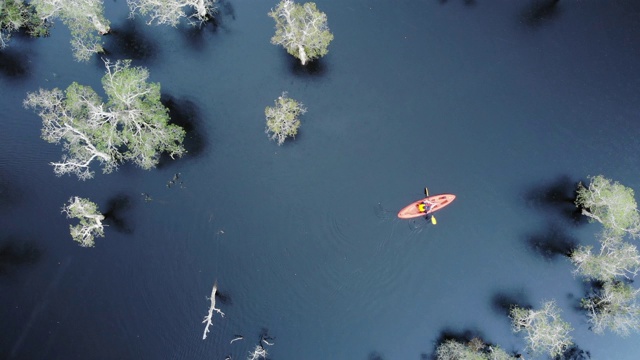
425 206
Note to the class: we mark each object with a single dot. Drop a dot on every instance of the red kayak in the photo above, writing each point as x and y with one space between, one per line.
437 201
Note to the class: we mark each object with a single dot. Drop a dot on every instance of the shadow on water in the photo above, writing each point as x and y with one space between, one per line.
576 353
472 338
186 114
14 65
374 355
552 243
538 12
557 197
116 213
312 70
129 42
226 9
194 36
447 334
15 253
502 301
10 196
224 298
465 2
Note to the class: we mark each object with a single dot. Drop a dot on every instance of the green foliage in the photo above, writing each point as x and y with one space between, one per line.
143 119
90 221
545 331
475 349
171 11
616 259
16 15
614 306
611 204
282 120
132 126
301 29
84 18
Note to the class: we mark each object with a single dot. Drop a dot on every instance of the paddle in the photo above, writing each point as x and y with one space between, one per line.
433 218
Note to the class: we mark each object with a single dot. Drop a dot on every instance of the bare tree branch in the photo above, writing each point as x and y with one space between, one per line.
208 320
258 353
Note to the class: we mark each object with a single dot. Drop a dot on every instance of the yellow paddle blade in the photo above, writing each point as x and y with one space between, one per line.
433 220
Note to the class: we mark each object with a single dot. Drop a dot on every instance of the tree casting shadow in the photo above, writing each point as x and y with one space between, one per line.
313 69
553 243
460 336
558 196
130 42
194 36
115 215
14 254
576 353
502 302
540 11
14 65
186 114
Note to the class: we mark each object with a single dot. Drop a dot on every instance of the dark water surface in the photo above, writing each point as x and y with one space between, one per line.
506 104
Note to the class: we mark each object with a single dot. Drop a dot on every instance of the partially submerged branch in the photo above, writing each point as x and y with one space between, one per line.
258 353
208 320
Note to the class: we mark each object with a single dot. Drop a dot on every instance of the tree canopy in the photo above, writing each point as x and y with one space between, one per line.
84 18
16 15
132 126
545 330
90 225
301 29
282 119
613 306
171 11
475 349
611 204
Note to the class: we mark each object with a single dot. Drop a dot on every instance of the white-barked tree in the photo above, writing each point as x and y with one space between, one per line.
132 126
301 29
169 12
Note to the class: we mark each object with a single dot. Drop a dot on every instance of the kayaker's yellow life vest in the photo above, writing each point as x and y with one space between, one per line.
421 207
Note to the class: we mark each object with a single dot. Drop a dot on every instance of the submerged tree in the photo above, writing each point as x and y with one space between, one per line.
545 330
475 349
171 11
282 119
258 353
84 18
90 218
615 259
208 320
611 204
301 29
614 306
16 15
132 125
